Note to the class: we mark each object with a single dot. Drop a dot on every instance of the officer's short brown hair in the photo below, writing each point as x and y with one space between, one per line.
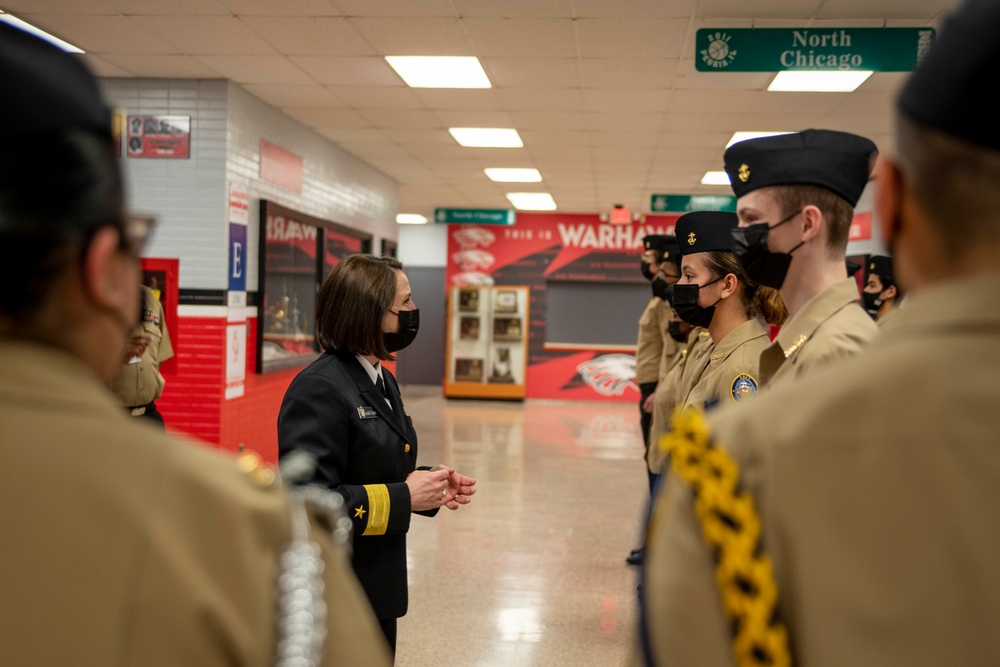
352 302
837 211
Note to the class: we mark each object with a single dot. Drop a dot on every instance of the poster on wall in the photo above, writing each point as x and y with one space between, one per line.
159 136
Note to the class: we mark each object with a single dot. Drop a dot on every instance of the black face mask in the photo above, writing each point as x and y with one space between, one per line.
644 267
674 331
663 290
762 266
409 324
687 308
872 302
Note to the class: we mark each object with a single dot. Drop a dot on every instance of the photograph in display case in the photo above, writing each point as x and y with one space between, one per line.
468 300
507 328
506 301
468 370
469 328
501 371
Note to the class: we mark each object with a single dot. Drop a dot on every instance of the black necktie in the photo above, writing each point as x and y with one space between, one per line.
380 383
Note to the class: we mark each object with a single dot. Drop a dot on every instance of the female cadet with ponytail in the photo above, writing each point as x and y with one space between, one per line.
342 420
715 292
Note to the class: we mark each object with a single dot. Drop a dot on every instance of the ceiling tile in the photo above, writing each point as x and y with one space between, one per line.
637 100
715 101
697 139
102 34
549 38
206 35
416 36
396 8
640 155
737 9
555 137
310 36
911 9
629 73
635 8
631 38
281 95
565 167
610 121
543 152
286 7
460 100
104 67
257 69
171 8
349 71
538 99
553 120
622 139
401 119
436 151
164 67
41 7
448 119
515 8
377 97
534 72
355 136
688 77
333 118
410 135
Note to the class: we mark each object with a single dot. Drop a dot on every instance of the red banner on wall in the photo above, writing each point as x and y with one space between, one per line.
280 166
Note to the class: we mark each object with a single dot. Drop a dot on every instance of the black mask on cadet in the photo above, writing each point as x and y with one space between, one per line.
674 331
409 324
762 266
872 302
663 290
687 308
644 267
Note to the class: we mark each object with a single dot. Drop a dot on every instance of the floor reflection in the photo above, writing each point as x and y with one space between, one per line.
532 572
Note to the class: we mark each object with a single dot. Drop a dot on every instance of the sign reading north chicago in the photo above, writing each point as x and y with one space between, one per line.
475 216
686 203
779 49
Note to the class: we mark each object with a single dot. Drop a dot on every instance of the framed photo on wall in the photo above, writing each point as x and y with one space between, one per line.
507 328
468 300
469 328
468 370
506 301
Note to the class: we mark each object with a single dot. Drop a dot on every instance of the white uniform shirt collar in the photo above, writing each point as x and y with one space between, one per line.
374 372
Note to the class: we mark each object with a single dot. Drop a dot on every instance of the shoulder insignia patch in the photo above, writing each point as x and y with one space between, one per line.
743 388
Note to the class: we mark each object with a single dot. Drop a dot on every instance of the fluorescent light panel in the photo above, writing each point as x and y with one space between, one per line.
532 201
411 219
505 175
818 82
486 137
440 71
38 32
715 178
744 136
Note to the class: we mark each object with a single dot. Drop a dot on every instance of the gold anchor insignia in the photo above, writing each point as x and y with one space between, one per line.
744 173
359 512
692 239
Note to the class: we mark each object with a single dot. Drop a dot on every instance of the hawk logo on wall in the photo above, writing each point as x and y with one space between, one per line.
609 374
472 260
474 237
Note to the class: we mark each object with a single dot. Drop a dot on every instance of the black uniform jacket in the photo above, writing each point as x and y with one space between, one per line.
364 451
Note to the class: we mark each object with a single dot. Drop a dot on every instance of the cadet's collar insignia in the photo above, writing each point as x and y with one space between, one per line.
744 388
148 315
796 345
744 173
359 512
692 239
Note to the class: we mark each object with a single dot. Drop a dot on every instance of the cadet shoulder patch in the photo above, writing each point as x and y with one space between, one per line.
743 388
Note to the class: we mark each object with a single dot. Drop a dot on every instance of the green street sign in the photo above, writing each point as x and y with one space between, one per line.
475 216
688 203
779 49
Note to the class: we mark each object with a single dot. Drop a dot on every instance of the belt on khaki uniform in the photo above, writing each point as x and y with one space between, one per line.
140 410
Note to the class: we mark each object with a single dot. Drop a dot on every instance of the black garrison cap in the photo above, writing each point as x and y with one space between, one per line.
706 231
838 161
46 88
881 266
667 245
949 89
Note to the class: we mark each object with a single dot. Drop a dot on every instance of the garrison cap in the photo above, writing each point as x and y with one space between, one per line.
838 161
706 231
946 91
48 89
666 245
881 266
852 267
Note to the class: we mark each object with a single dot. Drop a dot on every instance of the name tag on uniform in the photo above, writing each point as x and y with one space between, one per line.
366 412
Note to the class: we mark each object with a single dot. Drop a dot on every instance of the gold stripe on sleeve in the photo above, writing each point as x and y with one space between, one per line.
378 509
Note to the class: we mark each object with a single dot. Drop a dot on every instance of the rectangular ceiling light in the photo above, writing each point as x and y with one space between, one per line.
411 219
715 178
744 136
440 71
818 82
502 175
532 201
38 32
486 137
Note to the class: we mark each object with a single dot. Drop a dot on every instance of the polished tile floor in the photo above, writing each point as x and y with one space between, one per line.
532 572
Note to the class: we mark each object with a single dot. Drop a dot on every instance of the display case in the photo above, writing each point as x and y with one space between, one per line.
487 345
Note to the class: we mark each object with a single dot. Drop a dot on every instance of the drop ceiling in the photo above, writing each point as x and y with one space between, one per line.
604 93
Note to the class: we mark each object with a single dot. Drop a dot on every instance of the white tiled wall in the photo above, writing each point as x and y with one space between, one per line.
190 196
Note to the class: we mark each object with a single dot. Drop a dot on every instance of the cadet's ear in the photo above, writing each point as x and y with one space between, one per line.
813 222
891 292
110 274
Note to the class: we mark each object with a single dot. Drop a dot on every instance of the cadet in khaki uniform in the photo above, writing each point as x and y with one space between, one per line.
861 498
796 197
881 294
139 383
122 546
714 292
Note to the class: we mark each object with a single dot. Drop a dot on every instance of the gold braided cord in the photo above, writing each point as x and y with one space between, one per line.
378 503
730 525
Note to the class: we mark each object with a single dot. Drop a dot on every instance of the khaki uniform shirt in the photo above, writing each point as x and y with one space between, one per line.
140 383
830 326
887 319
876 481
671 348
672 390
125 546
732 371
649 346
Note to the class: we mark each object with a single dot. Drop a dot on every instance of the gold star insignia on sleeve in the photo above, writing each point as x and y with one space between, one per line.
359 512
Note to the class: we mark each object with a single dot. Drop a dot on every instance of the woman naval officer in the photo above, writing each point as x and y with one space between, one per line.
715 292
345 412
